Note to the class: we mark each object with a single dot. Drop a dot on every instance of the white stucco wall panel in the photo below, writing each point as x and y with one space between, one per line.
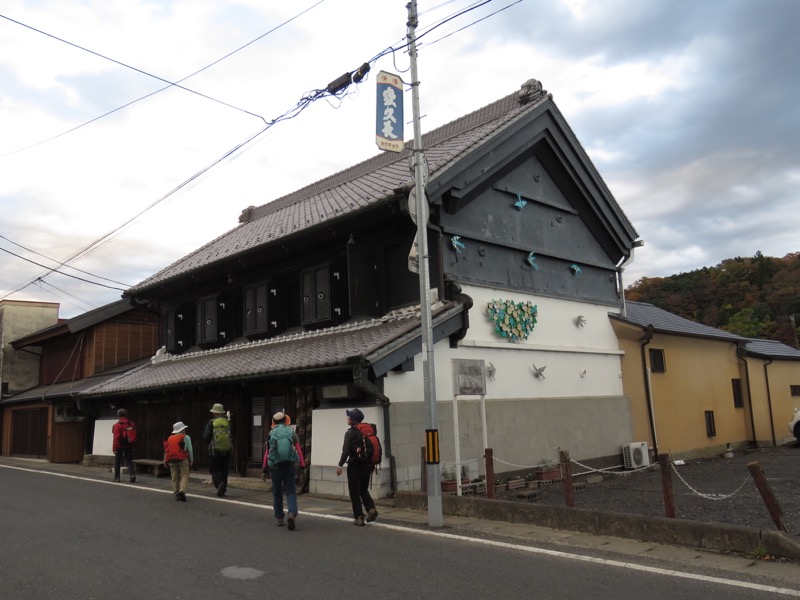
556 325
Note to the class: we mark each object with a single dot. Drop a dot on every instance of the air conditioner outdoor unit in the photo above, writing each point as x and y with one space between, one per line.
635 455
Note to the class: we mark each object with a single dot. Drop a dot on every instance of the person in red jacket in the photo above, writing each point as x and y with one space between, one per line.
120 445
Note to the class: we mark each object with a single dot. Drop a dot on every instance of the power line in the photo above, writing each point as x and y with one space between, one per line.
52 270
127 66
126 105
61 263
337 88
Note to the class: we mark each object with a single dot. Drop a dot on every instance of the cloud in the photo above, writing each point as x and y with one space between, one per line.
686 108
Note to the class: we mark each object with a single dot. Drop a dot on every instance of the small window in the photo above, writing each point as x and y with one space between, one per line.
711 428
736 384
795 389
657 363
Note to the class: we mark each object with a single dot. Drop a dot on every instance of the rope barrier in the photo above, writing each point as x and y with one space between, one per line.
554 464
605 472
709 496
626 473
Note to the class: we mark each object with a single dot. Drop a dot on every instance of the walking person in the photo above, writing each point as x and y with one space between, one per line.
219 438
358 473
179 455
123 442
281 457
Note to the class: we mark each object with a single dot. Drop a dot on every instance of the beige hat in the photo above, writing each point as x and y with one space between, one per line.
178 427
278 416
217 409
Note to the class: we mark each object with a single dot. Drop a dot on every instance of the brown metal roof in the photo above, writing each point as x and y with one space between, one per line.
354 188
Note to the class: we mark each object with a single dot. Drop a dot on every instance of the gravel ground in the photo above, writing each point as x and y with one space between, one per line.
718 490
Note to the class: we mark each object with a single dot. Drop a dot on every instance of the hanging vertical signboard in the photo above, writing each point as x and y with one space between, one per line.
389 113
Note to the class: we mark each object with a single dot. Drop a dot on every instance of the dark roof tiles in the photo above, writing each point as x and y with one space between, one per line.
331 347
354 188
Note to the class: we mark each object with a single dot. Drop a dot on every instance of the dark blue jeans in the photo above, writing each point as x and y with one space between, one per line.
283 482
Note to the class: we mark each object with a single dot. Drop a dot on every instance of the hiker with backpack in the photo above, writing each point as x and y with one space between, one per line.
179 456
219 438
123 442
281 457
361 450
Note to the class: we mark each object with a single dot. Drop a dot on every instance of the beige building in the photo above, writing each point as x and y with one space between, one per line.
699 391
19 370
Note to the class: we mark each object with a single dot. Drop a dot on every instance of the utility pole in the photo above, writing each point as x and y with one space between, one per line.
433 469
794 331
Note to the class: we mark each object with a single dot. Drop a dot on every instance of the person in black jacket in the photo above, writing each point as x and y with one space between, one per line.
219 437
358 473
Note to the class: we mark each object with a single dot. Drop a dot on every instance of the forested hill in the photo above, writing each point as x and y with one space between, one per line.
753 297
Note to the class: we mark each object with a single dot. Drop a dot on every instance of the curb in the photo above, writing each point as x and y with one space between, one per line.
677 532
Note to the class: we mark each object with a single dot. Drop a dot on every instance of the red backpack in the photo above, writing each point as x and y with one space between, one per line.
175 448
127 434
367 447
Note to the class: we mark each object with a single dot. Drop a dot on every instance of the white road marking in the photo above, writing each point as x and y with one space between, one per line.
471 540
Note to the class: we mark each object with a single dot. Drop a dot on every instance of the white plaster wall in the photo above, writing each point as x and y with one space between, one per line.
103 438
578 361
330 425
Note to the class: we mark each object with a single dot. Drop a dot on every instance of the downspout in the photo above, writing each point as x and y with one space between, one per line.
644 340
362 382
769 402
741 353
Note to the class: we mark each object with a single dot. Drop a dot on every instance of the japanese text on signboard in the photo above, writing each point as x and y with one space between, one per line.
389 113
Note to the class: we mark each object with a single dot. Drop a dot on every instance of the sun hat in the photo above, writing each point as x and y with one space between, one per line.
217 409
287 420
356 415
178 427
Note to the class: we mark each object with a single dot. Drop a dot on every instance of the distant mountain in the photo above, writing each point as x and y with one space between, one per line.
753 297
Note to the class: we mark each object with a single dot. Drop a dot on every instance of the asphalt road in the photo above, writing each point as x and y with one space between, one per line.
67 536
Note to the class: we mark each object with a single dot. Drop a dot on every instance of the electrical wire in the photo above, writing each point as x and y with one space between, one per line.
126 105
301 105
54 270
10 241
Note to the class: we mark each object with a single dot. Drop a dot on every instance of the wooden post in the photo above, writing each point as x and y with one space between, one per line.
666 484
424 470
566 473
489 457
766 494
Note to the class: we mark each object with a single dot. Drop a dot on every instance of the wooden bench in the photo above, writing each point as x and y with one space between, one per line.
157 467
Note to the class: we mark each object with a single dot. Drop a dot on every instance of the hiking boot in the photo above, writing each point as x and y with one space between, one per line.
116 479
359 521
177 495
291 519
221 489
279 522
133 478
372 514
182 496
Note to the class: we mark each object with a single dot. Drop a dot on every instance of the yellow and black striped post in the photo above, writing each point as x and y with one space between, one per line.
432 446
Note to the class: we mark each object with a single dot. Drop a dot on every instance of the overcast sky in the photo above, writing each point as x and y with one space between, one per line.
689 110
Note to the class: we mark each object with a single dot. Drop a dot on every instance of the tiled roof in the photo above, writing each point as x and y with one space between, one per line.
47 393
332 347
663 321
644 315
771 349
356 187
